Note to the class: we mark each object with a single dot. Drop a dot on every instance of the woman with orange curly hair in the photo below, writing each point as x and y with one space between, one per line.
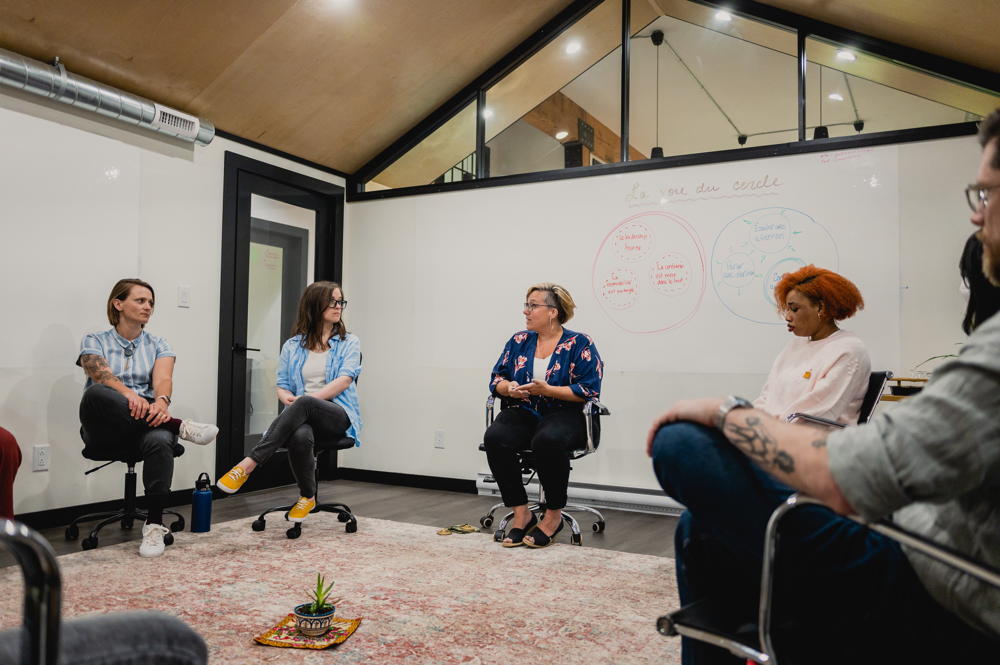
824 370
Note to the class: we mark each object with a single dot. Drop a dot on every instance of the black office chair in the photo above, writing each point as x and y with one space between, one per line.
592 411
712 621
876 386
109 639
342 511
129 513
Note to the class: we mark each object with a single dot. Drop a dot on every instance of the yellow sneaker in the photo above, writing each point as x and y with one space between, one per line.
301 509
233 480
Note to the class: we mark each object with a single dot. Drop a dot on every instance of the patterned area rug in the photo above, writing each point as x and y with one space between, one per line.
424 598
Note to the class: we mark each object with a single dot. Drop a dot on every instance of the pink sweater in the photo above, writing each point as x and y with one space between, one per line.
827 378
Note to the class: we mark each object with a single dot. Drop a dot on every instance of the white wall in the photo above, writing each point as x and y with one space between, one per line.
83 203
437 293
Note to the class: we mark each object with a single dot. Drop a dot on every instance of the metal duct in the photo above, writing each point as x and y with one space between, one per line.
53 82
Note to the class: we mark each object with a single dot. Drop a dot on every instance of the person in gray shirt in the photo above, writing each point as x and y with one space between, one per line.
932 464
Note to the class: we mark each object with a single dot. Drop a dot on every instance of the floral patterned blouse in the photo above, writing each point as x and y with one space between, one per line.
575 362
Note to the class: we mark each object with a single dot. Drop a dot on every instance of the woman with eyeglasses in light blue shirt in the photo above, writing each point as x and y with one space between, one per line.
317 377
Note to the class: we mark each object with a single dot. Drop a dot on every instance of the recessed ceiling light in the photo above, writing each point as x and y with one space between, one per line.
723 16
845 55
560 135
573 47
487 113
835 96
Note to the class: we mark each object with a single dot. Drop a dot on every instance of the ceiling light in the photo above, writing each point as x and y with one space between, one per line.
487 113
835 96
560 135
723 16
573 47
845 55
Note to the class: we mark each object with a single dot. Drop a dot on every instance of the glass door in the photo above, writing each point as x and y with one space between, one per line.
279 236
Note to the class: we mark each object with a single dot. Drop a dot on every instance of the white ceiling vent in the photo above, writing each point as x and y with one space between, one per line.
172 121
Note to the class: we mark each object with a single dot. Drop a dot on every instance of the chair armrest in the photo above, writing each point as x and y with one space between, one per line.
816 420
592 409
925 546
42 590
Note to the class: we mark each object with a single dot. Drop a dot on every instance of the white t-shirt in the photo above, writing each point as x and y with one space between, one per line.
314 372
827 378
540 367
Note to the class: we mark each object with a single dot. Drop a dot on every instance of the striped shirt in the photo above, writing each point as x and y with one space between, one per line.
130 361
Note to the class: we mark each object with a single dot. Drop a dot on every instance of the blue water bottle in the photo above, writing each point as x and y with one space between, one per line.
201 505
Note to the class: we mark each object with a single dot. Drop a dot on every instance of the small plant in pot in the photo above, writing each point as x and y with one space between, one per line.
315 618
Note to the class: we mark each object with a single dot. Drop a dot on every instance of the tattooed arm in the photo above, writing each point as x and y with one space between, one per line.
98 370
794 454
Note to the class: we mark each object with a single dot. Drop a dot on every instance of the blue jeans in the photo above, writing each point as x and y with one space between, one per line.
843 593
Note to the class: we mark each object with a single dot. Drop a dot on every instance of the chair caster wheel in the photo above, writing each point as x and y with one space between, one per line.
72 532
258 525
89 543
351 527
598 526
294 532
168 539
343 517
177 525
486 521
499 535
576 539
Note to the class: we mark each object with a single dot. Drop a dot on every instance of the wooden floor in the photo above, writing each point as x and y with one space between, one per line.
637 533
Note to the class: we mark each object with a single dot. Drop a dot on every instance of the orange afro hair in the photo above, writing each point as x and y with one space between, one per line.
840 298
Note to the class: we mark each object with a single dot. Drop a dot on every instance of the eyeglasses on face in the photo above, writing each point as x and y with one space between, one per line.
339 303
977 196
531 306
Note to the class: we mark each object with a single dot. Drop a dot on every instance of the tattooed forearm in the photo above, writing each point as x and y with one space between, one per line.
819 443
758 445
97 368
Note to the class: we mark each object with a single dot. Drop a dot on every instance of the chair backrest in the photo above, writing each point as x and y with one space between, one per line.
42 591
876 386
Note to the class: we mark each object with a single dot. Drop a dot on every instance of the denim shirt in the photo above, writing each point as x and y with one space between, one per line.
344 359
575 362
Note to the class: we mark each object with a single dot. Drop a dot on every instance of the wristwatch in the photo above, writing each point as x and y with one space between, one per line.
165 398
730 403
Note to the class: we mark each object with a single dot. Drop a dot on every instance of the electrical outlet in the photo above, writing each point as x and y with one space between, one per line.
439 438
40 457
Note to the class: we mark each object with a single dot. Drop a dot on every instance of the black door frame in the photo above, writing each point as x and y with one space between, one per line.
244 176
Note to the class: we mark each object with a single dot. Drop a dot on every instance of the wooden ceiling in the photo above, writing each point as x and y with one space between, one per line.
337 81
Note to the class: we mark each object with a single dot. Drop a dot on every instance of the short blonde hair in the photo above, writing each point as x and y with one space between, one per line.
557 297
120 291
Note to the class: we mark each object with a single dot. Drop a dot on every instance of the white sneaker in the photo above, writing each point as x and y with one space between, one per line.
152 539
199 433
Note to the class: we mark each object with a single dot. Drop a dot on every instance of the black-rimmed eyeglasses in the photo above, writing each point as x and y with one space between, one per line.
530 306
977 195
339 303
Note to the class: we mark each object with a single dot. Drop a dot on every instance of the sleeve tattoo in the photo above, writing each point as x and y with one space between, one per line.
97 368
758 445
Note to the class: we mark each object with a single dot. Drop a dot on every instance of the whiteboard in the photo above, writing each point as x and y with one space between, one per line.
672 270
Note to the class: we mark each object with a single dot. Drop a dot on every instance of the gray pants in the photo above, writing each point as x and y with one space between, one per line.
297 429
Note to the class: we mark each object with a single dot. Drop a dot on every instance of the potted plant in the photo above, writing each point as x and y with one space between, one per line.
315 618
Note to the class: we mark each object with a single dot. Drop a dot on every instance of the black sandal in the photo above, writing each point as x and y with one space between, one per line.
517 535
541 539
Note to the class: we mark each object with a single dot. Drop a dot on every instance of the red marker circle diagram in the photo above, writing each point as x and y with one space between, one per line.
649 274
754 251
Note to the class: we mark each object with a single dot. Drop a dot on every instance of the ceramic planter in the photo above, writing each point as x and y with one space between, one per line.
312 625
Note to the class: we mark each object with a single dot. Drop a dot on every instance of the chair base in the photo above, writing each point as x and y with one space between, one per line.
342 511
127 519
576 537
715 622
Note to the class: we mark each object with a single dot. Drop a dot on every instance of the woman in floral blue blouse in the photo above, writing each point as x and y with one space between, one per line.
544 375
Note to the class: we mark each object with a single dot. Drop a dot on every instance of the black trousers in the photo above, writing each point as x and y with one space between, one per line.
296 429
110 432
551 438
